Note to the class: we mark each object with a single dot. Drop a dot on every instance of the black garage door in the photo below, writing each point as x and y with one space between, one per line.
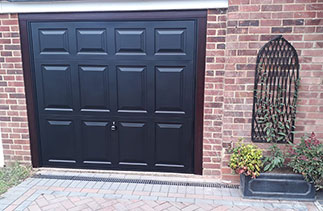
115 95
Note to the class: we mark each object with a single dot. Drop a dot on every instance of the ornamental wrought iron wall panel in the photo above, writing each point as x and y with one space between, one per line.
275 92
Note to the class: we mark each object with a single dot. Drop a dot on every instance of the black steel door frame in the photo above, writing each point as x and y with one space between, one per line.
198 15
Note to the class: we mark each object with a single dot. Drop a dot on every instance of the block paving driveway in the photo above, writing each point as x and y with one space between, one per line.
58 190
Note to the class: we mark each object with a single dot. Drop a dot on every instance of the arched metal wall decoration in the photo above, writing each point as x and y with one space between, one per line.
275 92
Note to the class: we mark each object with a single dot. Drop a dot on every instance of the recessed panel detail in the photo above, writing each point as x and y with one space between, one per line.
94 88
170 41
53 41
91 41
57 88
96 143
169 90
132 91
130 41
132 138
169 145
59 144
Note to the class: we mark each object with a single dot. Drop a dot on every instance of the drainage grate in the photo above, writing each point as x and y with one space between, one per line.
140 181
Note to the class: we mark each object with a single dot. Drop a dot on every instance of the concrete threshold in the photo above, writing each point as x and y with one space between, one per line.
163 176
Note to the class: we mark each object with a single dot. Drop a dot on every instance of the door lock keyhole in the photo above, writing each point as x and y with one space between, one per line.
113 126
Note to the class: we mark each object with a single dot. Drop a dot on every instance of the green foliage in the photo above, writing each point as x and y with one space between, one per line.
246 159
13 175
274 113
276 159
306 158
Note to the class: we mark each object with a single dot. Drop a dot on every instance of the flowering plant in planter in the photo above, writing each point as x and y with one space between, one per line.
306 158
246 159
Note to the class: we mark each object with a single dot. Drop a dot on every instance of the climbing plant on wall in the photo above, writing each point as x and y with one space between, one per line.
275 92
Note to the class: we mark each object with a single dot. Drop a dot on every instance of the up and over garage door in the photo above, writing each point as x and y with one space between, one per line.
115 95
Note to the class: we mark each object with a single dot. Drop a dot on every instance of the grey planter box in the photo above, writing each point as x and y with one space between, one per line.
277 186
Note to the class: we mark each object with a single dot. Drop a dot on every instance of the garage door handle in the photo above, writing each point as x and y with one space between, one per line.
113 126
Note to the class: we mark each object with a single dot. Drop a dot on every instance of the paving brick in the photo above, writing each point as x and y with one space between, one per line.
131 187
112 196
70 189
106 191
156 188
162 198
148 187
42 182
185 200
159 194
173 189
44 192
206 201
77 194
225 192
182 189
114 186
33 197
234 192
199 190
56 188
74 184
123 192
60 193
98 185
44 198
132 197
107 185
181 194
190 190
123 186
92 195
139 187
82 184
148 197
65 183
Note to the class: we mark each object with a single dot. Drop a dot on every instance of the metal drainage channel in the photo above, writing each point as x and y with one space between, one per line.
139 181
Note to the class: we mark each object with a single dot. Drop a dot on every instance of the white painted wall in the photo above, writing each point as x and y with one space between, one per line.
108 5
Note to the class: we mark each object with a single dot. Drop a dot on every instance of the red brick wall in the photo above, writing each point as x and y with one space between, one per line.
13 114
213 100
252 23
234 36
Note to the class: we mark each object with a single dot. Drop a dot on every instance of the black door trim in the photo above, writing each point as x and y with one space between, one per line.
198 15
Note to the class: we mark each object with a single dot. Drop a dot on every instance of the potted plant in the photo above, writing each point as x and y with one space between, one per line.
265 174
306 159
248 161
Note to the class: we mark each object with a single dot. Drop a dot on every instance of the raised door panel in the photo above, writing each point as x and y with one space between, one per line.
91 41
174 40
53 41
170 41
56 88
96 143
170 145
132 139
58 142
169 90
130 41
94 88
131 89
